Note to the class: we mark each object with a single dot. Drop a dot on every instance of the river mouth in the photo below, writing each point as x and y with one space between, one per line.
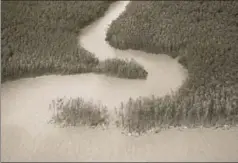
27 136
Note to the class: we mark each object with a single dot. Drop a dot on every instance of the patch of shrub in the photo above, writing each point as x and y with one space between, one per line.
40 37
76 112
203 107
122 68
204 36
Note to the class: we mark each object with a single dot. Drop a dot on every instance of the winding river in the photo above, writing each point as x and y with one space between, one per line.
26 135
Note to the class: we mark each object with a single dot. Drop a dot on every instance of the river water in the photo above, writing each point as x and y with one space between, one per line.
26 135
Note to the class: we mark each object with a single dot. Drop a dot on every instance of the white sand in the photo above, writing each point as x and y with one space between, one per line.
26 136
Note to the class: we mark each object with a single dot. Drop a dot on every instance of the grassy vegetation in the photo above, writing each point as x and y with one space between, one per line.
122 68
40 37
204 35
75 112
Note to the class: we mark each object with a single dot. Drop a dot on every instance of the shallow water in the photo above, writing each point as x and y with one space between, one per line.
26 135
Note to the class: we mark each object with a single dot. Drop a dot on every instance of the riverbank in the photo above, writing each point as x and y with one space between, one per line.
202 35
40 38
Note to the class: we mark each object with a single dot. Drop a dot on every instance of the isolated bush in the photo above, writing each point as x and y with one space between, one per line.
76 112
122 68
40 37
204 35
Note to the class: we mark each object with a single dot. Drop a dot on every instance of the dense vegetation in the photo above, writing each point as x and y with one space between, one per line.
40 37
204 35
75 112
129 69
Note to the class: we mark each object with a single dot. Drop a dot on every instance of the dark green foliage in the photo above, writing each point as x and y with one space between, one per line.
204 34
75 112
40 37
122 68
